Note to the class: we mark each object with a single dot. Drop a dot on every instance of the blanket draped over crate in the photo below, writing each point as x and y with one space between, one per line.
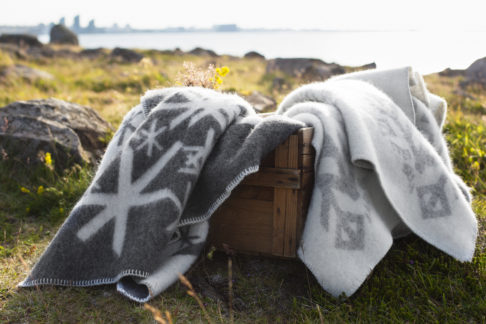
382 170
144 218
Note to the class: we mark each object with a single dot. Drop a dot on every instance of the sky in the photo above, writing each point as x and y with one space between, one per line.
301 14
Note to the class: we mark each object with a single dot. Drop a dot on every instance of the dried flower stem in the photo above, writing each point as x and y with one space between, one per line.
230 289
191 292
158 316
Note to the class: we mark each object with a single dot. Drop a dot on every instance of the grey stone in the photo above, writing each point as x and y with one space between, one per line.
70 132
451 73
93 53
198 51
253 54
60 34
21 40
317 73
261 102
21 71
476 72
298 67
126 55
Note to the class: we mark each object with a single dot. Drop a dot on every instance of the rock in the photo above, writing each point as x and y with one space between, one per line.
198 51
14 51
297 67
253 54
21 40
261 102
60 34
126 55
369 66
25 72
278 83
451 73
93 53
317 73
476 72
70 132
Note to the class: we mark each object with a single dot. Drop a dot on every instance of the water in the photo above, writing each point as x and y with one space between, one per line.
427 52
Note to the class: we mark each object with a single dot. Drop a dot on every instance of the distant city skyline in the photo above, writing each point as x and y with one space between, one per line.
250 14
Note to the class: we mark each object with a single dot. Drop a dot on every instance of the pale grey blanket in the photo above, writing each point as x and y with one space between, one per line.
144 218
382 169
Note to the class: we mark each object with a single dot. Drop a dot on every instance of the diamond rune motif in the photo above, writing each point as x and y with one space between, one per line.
195 155
433 200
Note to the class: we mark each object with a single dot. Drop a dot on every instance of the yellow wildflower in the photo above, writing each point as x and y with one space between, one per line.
219 80
48 159
24 190
27 209
218 70
61 210
224 70
40 190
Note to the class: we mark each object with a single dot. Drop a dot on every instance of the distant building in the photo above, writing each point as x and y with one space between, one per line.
62 21
76 25
91 26
226 28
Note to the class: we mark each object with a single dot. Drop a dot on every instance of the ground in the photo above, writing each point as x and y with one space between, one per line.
414 283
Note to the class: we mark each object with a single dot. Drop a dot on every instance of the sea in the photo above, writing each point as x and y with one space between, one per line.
426 51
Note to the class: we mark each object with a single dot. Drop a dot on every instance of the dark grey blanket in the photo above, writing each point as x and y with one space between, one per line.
144 219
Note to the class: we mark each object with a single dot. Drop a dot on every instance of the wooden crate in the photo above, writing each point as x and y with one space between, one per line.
265 213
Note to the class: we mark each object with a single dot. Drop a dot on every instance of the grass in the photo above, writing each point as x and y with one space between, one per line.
414 283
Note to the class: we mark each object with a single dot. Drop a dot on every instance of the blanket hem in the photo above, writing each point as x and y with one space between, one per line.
83 283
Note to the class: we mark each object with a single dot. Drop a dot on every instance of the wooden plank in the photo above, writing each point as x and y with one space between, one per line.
244 225
305 140
291 213
293 158
280 196
275 177
307 180
306 162
269 160
253 192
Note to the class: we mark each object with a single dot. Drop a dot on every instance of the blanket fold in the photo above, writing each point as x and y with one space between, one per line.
382 171
144 218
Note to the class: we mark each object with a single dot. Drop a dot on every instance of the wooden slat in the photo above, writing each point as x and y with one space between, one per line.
293 157
269 160
244 225
280 196
305 140
306 162
291 214
275 177
253 192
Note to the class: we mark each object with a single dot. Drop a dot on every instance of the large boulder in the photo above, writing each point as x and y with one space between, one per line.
254 55
198 51
21 71
448 72
126 55
476 72
70 132
60 34
93 53
260 102
300 67
21 40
